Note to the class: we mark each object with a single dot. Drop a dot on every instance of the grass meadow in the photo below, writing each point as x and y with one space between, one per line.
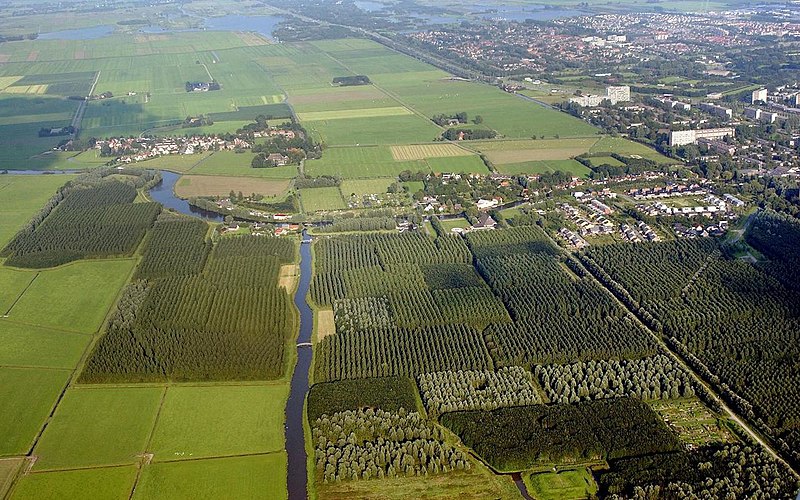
212 421
362 187
34 346
21 196
256 477
564 485
216 185
27 395
541 167
76 296
238 164
109 483
321 199
99 426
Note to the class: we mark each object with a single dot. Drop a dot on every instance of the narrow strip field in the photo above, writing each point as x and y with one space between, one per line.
423 151
354 113
212 185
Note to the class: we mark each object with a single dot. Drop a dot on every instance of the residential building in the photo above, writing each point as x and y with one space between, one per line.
619 93
752 113
758 95
682 137
715 110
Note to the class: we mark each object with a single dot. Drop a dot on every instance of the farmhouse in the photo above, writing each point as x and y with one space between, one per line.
485 221
277 159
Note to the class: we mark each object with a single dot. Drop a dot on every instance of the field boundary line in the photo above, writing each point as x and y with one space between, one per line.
6 314
54 329
221 457
146 456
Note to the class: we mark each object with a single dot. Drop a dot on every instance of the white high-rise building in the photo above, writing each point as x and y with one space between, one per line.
619 93
758 95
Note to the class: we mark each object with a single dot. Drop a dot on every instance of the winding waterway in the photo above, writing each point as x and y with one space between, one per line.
295 432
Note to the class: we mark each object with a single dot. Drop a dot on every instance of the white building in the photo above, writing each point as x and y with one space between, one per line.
758 95
752 113
618 93
713 109
682 137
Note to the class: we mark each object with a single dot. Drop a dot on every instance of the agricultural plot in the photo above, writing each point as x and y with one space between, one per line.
13 283
540 167
78 295
27 395
311 116
228 163
321 199
394 129
213 421
257 477
364 187
98 426
596 161
693 421
21 118
26 345
361 162
190 186
519 151
423 151
8 471
109 483
625 147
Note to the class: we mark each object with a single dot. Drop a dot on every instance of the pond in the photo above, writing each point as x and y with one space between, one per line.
91 33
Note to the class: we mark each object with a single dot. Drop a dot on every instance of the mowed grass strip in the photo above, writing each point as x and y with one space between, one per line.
198 422
98 426
74 297
423 151
254 477
109 483
210 185
312 116
27 396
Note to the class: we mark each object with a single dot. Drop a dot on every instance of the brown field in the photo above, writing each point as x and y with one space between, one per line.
4 58
325 324
212 185
252 39
522 155
423 151
338 96
33 56
288 276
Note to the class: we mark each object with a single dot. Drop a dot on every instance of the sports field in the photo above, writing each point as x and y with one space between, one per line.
321 199
190 186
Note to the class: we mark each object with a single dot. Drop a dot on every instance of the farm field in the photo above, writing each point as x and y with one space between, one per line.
320 199
99 426
8 470
261 477
423 151
541 167
176 163
108 483
596 161
213 421
362 187
78 295
189 186
228 163
27 345
625 147
23 196
26 397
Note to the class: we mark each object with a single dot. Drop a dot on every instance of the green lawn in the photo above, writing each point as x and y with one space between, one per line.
216 421
596 161
27 396
21 196
454 223
25 345
403 129
256 477
459 164
566 485
175 163
75 297
540 167
109 483
318 199
99 426
12 283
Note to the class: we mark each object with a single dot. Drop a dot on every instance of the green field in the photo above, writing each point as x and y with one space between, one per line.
21 196
99 426
564 485
319 199
8 471
238 164
26 345
361 162
596 161
12 283
363 187
110 483
625 147
197 422
27 396
403 129
262 476
76 297
541 167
